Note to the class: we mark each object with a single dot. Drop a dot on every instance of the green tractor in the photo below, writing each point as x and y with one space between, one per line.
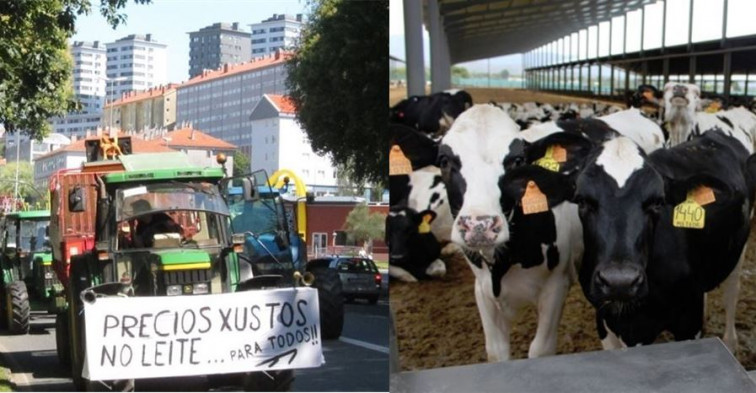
162 231
29 282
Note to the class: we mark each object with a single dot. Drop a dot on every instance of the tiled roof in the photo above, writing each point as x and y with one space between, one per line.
134 96
187 137
231 69
283 104
138 145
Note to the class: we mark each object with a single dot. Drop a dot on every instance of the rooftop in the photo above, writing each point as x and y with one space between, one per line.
138 145
283 104
189 137
232 69
134 96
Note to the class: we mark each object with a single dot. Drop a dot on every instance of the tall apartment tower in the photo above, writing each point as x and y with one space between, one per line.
89 72
277 32
135 62
213 46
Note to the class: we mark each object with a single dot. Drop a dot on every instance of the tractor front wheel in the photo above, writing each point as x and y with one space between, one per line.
17 308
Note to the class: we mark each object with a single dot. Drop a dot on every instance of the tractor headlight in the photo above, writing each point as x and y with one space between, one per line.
200 288
173 290
48 275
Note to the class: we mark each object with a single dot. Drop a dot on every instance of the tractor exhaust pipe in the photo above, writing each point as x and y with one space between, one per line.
307 279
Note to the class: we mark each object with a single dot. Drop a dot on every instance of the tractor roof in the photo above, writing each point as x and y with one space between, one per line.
158 166
30 215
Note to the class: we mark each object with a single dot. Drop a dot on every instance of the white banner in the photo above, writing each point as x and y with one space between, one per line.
148 337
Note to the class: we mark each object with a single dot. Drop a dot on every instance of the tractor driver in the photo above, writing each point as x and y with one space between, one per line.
150 224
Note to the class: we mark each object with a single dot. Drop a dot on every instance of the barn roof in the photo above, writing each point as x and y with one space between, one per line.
479 29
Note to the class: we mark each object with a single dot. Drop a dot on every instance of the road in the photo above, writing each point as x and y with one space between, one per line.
358 361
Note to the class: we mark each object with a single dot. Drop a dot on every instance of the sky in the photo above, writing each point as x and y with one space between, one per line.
170 21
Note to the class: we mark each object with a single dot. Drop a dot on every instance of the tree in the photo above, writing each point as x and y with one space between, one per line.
365 226
460 72
35 70
26 188
241 163
505 74
337 81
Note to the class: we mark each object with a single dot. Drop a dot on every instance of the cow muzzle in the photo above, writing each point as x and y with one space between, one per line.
480 231
619 282
679 95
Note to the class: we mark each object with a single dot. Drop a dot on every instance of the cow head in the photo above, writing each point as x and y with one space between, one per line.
482 160
619 197
473 156
402 224
681 100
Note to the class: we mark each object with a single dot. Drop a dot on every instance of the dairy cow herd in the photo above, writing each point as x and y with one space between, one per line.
648 214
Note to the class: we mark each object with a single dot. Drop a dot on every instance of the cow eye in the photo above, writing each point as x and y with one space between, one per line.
443 162
586 205
653 205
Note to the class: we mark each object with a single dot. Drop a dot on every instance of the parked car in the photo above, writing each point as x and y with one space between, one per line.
360 277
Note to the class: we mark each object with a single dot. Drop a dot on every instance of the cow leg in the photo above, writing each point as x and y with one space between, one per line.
401 274
730 289
496 322
550 306
436 269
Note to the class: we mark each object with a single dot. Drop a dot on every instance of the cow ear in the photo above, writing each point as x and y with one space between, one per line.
676 190
561 152
556 187
416 146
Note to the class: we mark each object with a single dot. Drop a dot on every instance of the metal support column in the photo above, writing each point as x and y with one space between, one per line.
727 74
611 81
665 70
413 41
440 67
692 70
644 70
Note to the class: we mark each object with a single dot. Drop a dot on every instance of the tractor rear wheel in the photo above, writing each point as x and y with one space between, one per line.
17 308
331 302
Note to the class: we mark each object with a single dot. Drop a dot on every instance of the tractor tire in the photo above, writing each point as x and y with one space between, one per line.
62 344
273 381
331 301
18 308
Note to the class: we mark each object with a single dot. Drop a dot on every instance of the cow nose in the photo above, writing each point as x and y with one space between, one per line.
622 282
480 230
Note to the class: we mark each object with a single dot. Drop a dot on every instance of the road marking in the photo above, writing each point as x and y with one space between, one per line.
364 344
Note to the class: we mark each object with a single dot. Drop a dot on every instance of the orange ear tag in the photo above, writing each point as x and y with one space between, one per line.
399 164
534 201
703 195
559 153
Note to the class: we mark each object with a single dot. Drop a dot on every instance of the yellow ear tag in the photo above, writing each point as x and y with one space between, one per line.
549 161
399 164
713 107
534 201
689 214
424 226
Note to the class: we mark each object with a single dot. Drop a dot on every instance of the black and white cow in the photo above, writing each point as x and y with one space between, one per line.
630 123
642 274
517 259
682 101
414 250
432 114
